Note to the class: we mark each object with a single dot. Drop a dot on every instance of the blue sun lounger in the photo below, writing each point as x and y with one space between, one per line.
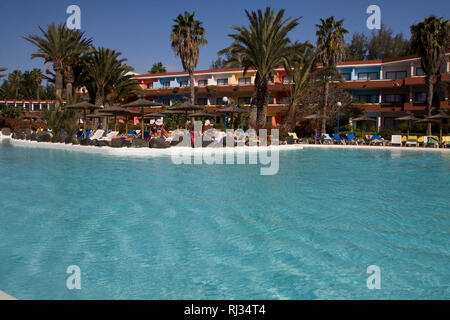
337 139
351 138
376 140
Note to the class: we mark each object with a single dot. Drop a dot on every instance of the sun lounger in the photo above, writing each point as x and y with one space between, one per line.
396 139
351 138
446 141
337 139
432 141
97 134
412 141
325 138
294 136
376 140
109 136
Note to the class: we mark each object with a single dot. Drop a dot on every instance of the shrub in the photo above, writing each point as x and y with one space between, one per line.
11 112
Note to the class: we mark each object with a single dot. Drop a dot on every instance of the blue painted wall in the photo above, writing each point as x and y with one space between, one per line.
355 70
173 81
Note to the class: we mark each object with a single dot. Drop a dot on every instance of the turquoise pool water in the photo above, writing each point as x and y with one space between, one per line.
145 228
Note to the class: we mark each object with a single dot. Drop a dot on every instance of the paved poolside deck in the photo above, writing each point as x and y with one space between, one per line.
4 296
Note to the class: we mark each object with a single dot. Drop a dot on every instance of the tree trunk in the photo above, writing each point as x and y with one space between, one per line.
99 97
289 121
429 86
253 114
262 99
69 91
57 66
69 79
325 106
191 85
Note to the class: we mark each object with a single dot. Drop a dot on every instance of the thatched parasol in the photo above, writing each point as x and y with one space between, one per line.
437 118
117 110
154 115
410 117
142 103
315 116
202 115
83 105
365 118
233 109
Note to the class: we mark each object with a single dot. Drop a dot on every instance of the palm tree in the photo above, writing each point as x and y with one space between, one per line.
2 70
187 37
79 47
303 63
331 50
157 67
263 46
15 79
104 71
59 45
36 78
430 39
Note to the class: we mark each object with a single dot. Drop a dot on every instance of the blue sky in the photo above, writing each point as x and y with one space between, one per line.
140 29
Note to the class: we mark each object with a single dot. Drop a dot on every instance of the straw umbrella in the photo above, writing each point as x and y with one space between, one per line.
437 118
410 117
174 112
315 116
142 103
186 107
364 118
233 109
84 105
154 115
202 115
117 110
97 115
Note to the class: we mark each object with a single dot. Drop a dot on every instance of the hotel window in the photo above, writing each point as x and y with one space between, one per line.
165 101
150 85
419 72
367 75
271 100
165 84
222 82
202 101
202 83
220 102
396 75
420 97
346 76
393 98
368 98
244 100
184 84
245 81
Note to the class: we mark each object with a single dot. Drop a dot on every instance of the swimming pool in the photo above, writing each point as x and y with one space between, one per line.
148 229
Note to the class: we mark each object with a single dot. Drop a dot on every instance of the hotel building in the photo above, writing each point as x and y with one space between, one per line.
383 88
